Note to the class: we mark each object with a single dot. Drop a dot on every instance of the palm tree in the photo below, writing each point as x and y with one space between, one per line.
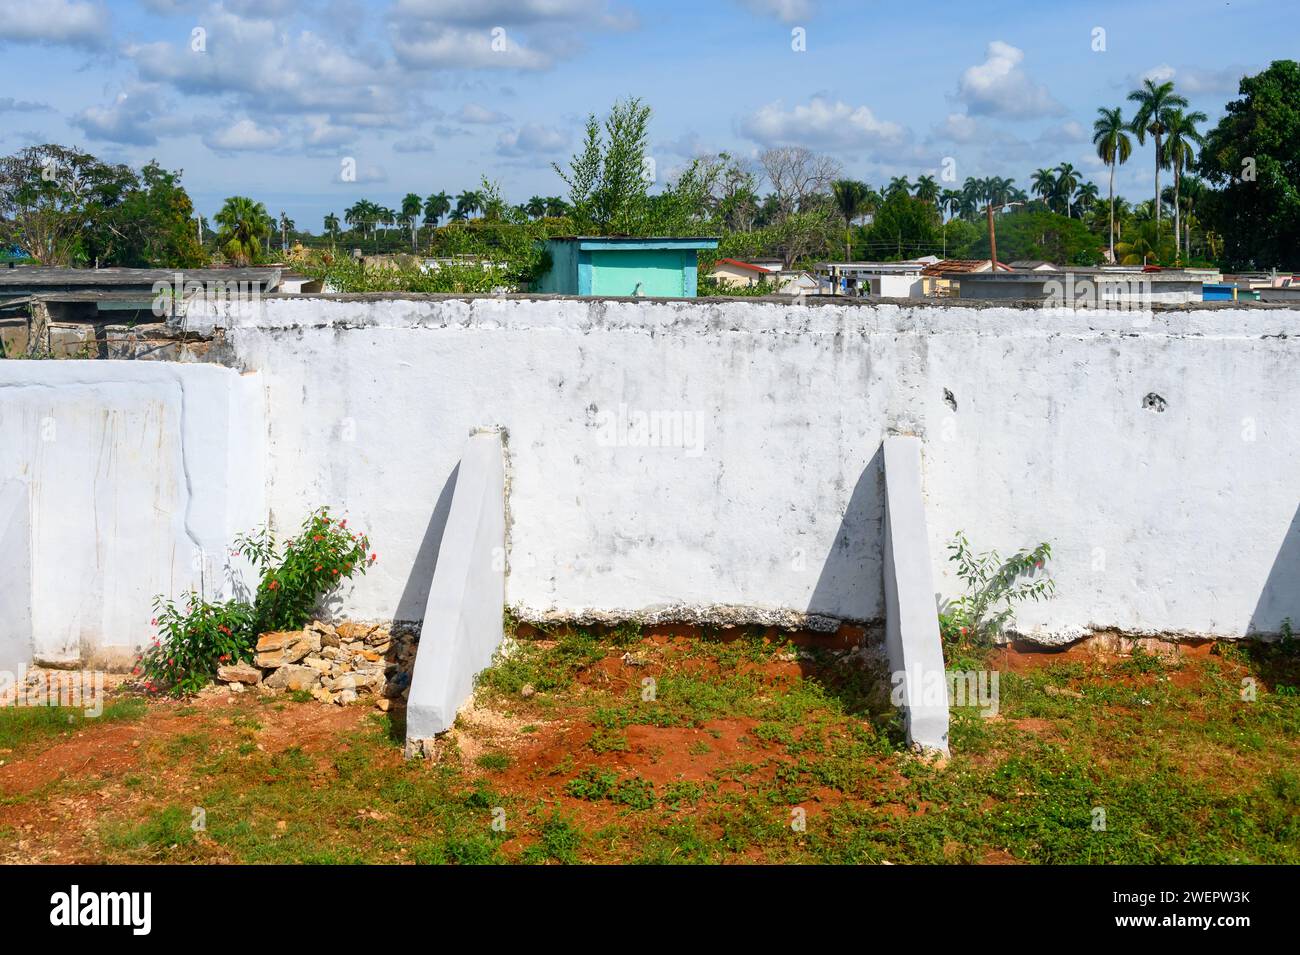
535 207
897 185
411 205
435 207
244 224
1110 136
927 190
467 203
1156 101
1193 191
950 202
1043 184
1180 150
332 225
998 191
1085 196
851 197
972 193
1144 246
1067 178
286 226
556 207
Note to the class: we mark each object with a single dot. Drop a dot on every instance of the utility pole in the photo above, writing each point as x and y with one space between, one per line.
993 239
993 242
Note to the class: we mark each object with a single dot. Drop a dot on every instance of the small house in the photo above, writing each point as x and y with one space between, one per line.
624 265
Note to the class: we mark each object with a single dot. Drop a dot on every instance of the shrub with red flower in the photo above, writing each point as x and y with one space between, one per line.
293 581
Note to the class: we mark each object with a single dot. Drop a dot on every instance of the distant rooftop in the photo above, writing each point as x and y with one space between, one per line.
28 279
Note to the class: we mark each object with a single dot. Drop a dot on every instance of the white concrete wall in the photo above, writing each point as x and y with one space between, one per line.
15 580
138 475
768 495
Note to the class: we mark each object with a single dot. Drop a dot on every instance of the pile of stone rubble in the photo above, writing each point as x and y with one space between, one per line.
334 663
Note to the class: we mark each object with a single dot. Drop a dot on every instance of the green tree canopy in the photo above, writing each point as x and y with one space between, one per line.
1253 158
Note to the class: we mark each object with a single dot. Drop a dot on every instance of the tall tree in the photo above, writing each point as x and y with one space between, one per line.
927 190
851 198
1110 136
411 206
243 225
609 177
1182 138
55 203
797 176
332 225
1067 179
435 207
1043 184
1253 157
1155 103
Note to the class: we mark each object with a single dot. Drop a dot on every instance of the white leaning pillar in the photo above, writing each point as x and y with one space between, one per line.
463 623
912 640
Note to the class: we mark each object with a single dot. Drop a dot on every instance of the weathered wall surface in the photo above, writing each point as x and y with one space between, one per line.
698 456
137 476
710 461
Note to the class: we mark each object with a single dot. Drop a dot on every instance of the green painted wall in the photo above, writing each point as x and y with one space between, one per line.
659 271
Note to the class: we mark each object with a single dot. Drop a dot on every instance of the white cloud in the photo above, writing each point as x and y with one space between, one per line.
1197 82
474 113
135 117
957 128
1000 87
67 22
435 46
272 71
414 144
10 105
532 139
513 12
242 136
820 124
787 11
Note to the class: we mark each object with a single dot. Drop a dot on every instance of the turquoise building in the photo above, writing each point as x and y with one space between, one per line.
623 265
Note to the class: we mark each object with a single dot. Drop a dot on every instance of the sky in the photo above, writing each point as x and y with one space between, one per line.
282 99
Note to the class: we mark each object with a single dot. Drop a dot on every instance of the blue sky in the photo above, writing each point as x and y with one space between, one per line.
269 97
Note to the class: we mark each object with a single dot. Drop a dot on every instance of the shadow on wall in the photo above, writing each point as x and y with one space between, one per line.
415 595
1280 597
851 584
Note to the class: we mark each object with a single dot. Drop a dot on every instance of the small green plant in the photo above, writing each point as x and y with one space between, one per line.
993 587
195 639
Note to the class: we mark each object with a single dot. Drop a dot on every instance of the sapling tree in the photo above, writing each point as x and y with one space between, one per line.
994 586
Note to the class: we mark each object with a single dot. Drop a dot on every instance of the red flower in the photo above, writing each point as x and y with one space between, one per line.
336 571
224 629
153 622
318 566
373 558
272 585
318 538
343 523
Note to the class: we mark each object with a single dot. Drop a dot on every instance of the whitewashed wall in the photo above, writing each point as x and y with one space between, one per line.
766 504
1181 520
137 476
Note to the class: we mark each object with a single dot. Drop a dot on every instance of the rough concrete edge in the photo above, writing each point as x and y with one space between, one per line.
912 639
431 674
704 615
